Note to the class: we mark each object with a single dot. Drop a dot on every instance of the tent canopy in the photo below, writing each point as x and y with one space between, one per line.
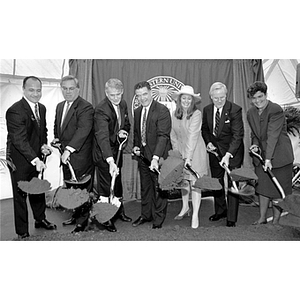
280 76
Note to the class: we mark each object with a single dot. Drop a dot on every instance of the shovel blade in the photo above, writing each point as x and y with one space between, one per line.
207 183
103 211
35 186
291 203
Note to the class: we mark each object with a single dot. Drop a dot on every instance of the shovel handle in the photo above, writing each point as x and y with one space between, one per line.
234 185
145 160
41 173
57 145
270 173
121 144
194 173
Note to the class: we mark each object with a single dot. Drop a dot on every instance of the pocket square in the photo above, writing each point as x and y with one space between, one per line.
227 121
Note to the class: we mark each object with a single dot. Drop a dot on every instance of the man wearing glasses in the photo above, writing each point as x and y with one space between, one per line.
223 133
73 130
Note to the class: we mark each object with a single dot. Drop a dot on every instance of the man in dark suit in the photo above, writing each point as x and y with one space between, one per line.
26 143
152 127
223 132
111 124
73 129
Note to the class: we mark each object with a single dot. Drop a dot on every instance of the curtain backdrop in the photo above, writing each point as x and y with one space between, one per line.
82 70
237 74
245 72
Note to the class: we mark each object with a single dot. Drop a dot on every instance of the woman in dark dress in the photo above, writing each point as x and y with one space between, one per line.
269 134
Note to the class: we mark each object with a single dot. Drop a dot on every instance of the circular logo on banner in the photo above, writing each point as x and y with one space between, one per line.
162 87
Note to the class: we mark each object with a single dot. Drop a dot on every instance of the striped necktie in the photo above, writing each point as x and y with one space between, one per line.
144 127
217 122
36 112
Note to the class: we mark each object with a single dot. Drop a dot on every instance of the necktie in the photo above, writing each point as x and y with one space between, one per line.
119 115
65 113
144 128
217 122
36 112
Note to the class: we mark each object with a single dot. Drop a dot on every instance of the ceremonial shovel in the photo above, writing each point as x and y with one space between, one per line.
291 203
37 185
107 207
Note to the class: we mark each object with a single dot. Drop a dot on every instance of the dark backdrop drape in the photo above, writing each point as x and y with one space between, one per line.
237 74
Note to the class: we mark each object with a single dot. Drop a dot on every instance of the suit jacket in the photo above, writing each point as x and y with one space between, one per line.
268 131
230 133
106 128
25 137
158 128
76 131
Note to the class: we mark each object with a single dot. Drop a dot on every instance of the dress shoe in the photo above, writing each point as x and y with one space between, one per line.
186 214
139 221
23 236
45 224
109 226
230 224
124 218
217 217
78 228
69 222
156 226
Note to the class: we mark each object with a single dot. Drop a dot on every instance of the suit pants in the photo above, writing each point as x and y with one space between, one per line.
81 214
220 205
154 206
37 203
104 180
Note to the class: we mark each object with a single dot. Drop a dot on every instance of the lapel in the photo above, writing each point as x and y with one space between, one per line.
139 117
256 123
114 115
60 108
210 117
30 114
150 114
70 114
224 116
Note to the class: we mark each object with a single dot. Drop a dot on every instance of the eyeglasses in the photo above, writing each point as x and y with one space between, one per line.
219 99
71 89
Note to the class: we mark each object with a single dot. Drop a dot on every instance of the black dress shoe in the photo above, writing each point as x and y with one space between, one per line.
124 218
78 228
139 221
217 217
45 224
156 226
71 221
109 226
23 236
230 224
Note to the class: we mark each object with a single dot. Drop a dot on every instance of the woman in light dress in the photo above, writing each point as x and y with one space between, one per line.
187 139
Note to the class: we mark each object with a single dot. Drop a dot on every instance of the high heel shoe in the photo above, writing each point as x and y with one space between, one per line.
195 223
180 217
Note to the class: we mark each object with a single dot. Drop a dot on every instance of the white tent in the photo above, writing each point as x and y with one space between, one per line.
280 76
12 72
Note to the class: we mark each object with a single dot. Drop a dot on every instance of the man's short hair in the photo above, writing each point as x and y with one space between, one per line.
70 77
217 86
30 77
141 85
114 83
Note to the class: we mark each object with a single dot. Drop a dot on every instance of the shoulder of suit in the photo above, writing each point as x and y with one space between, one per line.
274 107
233 106
18 104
